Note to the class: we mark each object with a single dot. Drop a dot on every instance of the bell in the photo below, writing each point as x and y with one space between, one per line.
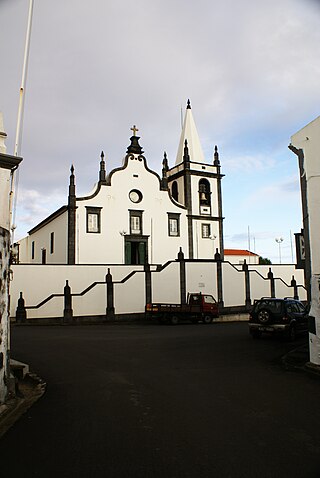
203 196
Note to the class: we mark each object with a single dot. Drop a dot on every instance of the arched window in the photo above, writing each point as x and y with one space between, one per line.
175 192
204 192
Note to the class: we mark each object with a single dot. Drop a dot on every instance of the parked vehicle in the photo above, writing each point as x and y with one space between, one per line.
287 316
199 307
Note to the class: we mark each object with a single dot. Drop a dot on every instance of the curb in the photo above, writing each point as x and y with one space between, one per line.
298 360
29 391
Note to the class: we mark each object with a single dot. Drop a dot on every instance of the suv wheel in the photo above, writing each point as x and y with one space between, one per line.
264 316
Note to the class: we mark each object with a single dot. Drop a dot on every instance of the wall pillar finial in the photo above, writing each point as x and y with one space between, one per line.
110 310
272 283
21 313
67 311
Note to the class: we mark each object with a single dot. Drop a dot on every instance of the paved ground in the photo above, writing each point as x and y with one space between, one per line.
161 401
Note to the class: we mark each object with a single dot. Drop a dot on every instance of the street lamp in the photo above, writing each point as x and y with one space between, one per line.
213 237
279 240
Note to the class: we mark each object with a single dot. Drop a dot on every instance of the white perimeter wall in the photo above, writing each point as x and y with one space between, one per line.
40 281
202 277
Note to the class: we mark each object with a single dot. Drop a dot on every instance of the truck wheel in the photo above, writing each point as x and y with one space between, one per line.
207 319
174 320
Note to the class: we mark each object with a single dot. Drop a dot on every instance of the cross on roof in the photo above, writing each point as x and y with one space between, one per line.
134 129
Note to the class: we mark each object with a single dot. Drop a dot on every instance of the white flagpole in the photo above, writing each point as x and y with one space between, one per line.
17 144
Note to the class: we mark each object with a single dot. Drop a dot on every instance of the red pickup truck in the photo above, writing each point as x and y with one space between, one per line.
199 307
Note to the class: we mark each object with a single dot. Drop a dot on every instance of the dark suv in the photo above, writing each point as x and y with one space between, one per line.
285 316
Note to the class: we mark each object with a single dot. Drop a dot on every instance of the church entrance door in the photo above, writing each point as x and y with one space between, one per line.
136 250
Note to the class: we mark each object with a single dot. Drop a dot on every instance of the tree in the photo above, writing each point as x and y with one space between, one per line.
264 261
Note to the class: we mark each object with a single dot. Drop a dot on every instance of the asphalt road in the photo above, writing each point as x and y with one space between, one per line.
162 401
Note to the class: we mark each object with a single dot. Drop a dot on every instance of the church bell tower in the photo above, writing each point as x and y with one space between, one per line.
197 185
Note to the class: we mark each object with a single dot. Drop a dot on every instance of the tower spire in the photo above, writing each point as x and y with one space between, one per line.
189 132
72 187
216 161
102 172
165 167
72 218
186 157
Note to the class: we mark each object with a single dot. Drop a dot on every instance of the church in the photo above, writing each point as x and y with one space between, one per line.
133 216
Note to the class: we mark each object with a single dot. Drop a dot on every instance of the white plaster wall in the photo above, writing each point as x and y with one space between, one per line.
92 303
204 247
121 272
180 182
202 277
285 272
233 286
24 250
40 281
108 247
308 138
59 226
166 284
130 296
258 286
4 198
209 168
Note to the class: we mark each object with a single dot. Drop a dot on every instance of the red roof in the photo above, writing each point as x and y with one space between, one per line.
238 252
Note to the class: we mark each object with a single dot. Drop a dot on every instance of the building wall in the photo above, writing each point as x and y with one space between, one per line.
108 246
4 310
8 164
42 240
205 247
308 139
195 188
179 180
4 276
4 197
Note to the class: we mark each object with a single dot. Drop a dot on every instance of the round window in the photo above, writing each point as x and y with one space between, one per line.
135 195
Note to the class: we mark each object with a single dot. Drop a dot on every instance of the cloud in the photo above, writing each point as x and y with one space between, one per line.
248 67
34 207
248 163
276 192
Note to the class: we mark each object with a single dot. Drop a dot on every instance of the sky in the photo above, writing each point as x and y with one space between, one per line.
250 68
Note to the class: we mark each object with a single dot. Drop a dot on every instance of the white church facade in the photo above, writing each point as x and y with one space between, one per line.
143 237
133 216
